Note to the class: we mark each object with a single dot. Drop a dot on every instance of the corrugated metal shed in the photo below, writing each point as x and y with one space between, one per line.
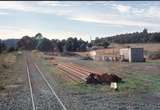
132 54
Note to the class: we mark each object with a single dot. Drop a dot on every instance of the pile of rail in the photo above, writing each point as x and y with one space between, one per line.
76 72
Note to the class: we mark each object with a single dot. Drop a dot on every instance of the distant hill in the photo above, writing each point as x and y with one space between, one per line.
136 37
10 42
151 47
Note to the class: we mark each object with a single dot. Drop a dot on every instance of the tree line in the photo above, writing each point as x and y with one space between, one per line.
43 44
73 44
136 37
5 48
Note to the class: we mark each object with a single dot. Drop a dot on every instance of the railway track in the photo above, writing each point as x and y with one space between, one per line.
43 96
76 72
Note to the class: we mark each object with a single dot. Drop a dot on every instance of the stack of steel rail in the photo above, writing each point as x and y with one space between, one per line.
76 72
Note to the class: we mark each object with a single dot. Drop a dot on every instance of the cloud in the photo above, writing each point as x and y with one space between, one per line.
55 3
3 13
124 15
15 32
22 6
117 14
112 21
122 8
66 34
12 5
153 12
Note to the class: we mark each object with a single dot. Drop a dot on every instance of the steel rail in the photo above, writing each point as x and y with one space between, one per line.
30 86
49 85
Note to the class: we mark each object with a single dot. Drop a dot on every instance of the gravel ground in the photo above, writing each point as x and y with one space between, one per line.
95 100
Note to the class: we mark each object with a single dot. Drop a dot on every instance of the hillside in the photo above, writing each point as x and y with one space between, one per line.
148 48
10 42
136 37
151 47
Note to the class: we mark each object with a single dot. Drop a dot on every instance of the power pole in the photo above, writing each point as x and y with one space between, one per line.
90 38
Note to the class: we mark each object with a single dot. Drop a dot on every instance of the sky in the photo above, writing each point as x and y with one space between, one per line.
81 19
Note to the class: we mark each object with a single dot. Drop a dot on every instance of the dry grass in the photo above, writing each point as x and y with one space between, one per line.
148 47
7 60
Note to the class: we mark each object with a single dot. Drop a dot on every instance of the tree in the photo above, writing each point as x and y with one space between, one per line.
65 48
37 39
45 45
68 45
3 46
83 47
38 36
105 44
145 31
61 45
26 43
136 37
145 35
75 44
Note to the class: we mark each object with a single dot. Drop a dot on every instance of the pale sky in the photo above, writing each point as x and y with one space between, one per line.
82 19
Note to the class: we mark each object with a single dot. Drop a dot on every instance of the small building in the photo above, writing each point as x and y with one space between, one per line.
132 54
103 54
92 53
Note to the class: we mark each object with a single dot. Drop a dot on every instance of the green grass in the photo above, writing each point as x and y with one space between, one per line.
86 88
153 62
140 82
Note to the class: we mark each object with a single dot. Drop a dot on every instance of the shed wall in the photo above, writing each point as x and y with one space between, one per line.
137 55
132 54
